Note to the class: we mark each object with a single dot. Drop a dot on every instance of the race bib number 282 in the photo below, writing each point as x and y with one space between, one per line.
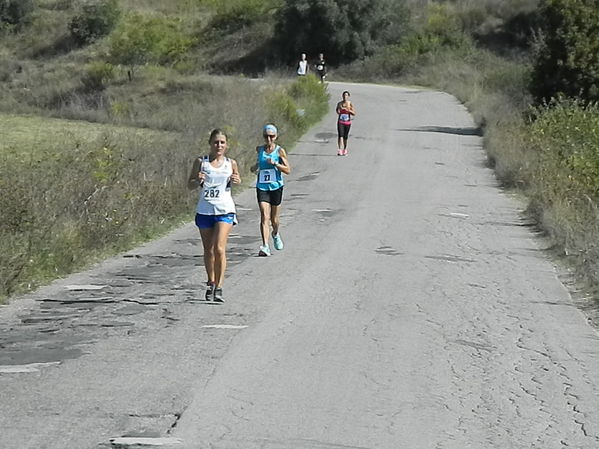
211 193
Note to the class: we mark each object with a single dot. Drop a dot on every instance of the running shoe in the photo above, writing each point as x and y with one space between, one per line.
278 242
209 292
339 152
264 251
344 152
218 295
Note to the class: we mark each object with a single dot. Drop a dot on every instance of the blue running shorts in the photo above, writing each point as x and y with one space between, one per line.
209 221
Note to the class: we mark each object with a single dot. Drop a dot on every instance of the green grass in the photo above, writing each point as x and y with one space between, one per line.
38 134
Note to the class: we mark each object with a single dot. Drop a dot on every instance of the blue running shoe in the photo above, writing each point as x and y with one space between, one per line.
278 242
264 251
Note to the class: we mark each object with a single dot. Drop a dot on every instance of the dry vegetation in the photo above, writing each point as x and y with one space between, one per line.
95 155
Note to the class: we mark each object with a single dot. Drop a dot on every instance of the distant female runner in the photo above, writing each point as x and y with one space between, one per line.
270 166
345 112
215 211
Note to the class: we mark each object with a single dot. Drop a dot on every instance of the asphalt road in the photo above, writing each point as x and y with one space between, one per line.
413 306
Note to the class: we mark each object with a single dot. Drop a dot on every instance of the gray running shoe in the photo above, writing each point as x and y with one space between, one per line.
218 295
209 292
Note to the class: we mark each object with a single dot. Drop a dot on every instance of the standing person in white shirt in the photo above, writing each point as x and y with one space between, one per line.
215 211
302 66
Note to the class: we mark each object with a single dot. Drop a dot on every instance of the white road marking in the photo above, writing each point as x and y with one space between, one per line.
223 326
131 441
29 368
85 287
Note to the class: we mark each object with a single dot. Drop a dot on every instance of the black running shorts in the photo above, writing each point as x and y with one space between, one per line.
274 197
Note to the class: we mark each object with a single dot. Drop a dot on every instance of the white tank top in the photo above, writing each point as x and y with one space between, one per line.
215 196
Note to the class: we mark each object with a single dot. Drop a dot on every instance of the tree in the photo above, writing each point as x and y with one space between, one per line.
343 30
567 61
13 13
95 20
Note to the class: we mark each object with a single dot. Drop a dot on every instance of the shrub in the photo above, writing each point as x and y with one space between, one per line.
565 135
97 74
238 13
302 104
344 30
14 13
141 39
567 60
96 19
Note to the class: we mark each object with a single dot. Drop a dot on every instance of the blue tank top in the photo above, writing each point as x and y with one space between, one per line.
269 177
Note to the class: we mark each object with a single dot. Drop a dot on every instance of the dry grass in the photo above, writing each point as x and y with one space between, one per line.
73 191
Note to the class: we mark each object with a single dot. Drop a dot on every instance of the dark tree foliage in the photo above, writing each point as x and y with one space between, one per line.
568 58
343 30
14 12
95 19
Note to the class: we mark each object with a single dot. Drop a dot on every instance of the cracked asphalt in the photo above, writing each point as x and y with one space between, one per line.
414 306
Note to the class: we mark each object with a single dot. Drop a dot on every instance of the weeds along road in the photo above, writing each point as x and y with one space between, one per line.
412 307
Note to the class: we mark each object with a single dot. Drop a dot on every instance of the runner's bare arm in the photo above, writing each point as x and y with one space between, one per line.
235 176
194 180
284 166
254 168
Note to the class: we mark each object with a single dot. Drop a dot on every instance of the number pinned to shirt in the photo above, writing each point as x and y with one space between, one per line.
211 193
266 175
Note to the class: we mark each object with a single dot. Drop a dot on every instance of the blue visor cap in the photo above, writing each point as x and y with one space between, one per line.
270 129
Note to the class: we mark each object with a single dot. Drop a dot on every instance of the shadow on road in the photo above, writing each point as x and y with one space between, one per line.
447 130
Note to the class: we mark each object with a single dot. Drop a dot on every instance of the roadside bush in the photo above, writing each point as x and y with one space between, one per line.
140 39
344 30
299 106
96 19
97 75
239 13
14 13
565 136
567 60
438 32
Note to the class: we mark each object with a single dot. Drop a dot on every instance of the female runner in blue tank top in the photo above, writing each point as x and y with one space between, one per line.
215 212
270 166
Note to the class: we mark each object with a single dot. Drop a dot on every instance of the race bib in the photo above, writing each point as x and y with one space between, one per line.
319 67
267 175
211 193
344 117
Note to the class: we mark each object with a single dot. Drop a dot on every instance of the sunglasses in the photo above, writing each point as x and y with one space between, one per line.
269 136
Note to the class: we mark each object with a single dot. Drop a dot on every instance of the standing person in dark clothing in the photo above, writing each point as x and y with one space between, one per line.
321 67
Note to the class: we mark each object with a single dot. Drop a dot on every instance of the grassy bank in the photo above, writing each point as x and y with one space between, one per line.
73 191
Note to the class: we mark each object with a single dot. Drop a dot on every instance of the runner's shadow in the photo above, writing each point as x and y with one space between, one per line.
447 130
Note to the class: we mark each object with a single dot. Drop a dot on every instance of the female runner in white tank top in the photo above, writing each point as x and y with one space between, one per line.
215 212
